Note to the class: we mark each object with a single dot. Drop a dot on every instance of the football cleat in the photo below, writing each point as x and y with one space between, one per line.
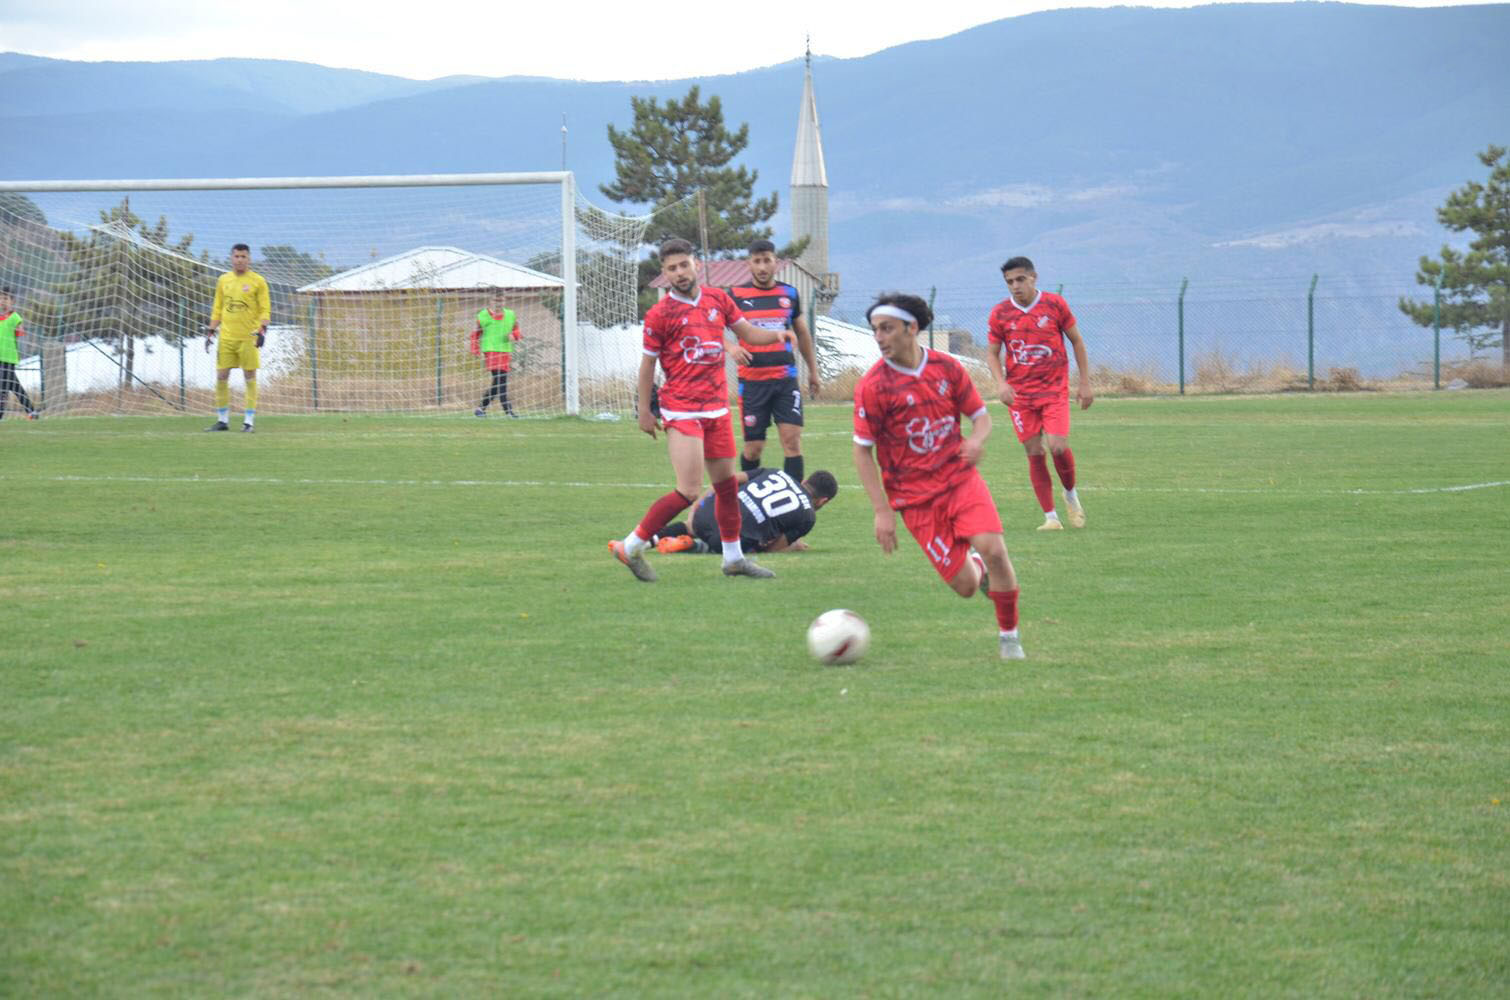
219 425
1075 512
246 429
747 567
33 415
636 563
1011 648
674 543
480 412
1051 524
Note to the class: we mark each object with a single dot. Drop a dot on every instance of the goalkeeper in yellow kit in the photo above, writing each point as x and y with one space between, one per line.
240 314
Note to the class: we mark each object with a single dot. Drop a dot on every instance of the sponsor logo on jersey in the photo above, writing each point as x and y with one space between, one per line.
944 387
712 315
786 303
1028 354
1043 321
926 436
702 352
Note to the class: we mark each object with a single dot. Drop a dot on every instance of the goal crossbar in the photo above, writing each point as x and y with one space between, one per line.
564 180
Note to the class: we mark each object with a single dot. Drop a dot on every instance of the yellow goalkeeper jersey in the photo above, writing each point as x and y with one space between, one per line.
241 305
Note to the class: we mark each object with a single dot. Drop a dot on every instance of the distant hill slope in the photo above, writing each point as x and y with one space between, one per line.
1121 145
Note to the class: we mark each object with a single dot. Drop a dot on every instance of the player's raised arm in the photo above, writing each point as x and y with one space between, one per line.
752 334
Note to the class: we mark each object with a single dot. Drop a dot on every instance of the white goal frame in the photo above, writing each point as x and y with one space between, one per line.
565 179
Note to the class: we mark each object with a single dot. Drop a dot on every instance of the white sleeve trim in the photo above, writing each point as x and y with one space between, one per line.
651 354
977 413
862 442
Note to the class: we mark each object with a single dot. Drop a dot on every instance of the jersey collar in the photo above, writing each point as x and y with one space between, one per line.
687 301
1029 307
914 372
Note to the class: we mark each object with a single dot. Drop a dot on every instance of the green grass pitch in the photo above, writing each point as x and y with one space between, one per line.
362 705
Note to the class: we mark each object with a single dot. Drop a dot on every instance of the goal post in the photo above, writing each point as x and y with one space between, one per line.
376 285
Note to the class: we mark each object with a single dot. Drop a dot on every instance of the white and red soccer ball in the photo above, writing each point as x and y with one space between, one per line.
838 637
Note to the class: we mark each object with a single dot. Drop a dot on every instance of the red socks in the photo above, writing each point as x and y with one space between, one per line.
726 509
1065 463
660 514
1006 607
1043 483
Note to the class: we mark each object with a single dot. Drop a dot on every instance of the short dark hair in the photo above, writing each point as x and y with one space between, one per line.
762 246
241 246
7 291
1015 263
821 485
674 246
908 303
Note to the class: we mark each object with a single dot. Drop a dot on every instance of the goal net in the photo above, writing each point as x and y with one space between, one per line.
376 284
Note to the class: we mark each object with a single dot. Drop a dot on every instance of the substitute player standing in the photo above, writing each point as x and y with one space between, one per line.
1029 328
768 386
240 314
908 410
684 332
10 329
497 330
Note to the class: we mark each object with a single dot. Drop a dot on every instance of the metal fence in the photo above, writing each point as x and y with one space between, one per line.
1308 334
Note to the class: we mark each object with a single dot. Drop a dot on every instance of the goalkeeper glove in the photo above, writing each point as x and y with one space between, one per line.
261 336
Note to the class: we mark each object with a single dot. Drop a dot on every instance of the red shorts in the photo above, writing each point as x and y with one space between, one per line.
497 361
1051 416
944 526
717 434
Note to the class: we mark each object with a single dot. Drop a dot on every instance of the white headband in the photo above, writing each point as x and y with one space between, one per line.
890 310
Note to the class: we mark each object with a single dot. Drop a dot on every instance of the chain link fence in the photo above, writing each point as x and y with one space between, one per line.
1228 338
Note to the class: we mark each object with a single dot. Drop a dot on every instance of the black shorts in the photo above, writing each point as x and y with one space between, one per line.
705 526
761 402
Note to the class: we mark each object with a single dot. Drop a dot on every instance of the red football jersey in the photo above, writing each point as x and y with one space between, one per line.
1036 362
912 418
688 338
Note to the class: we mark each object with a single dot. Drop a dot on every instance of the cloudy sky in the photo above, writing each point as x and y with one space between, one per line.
575 39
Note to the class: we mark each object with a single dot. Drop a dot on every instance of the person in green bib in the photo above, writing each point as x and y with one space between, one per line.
497 330
10 329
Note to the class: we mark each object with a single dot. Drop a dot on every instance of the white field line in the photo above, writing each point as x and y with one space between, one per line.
570 484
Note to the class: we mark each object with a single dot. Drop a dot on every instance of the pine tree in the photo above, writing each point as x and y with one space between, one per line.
1476 284
670 153
130 280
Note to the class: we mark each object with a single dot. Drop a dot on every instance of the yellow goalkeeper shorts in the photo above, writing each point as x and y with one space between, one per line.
237 353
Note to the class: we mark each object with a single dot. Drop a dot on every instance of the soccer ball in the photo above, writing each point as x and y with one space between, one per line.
838 637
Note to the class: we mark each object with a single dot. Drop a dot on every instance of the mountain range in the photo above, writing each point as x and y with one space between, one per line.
1124 148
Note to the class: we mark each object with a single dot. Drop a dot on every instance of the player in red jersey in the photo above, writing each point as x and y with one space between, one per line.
1027 332
908 411
684 332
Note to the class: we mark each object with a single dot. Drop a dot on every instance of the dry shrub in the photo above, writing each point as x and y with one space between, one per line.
1343 380
841 387
1478 373
1135 382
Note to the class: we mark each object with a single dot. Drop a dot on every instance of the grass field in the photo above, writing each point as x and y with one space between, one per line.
362 705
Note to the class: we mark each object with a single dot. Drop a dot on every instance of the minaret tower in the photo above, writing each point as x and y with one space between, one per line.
810 192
